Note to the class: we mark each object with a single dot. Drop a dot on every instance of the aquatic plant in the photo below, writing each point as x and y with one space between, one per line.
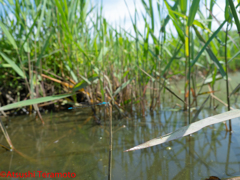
56 49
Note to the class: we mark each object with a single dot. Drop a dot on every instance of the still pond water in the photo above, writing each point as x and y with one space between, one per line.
70 142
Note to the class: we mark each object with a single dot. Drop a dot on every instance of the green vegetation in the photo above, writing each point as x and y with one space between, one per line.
58 47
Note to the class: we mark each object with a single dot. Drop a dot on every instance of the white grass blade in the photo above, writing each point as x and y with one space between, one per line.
186 130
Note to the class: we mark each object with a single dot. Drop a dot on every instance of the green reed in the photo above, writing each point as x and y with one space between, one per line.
72 40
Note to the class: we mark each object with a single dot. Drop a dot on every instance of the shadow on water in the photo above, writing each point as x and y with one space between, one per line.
71 142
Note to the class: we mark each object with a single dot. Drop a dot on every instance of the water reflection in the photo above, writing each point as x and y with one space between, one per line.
71 142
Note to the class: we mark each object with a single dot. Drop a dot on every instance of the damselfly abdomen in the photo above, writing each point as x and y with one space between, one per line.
87 104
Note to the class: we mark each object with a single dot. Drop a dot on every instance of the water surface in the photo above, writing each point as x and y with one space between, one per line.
70 141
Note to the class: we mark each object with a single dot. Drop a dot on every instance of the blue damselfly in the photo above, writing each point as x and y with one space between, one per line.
87 104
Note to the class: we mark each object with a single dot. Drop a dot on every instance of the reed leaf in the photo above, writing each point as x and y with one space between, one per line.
236 89
71 72
190 129
171 60
234 13
63 15
84 83
166 20
13 65
34 101
44 48
30 30
175 21
227 12
183 6
195 22
8 35
212 2
103 52
216 62
122 87
193 11
234 56
41 19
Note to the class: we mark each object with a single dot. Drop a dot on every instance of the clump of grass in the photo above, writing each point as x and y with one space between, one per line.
51 47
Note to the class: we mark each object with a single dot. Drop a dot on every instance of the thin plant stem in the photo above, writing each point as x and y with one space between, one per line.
110 143
227 85
189 78
5 133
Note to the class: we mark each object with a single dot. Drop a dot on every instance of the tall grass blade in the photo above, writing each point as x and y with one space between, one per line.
199 110
13 65
84 83
219 66
71 72
236 89
166 20
63 15
171 60
103 52
235 55
30 30
227 12
183 6
212 2
175 21
44 48
122 87
193 11
149 10
195 22
41 19
154 79
9 36
216 62
235 16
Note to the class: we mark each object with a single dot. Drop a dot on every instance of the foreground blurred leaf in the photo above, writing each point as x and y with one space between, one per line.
34 101
186 130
